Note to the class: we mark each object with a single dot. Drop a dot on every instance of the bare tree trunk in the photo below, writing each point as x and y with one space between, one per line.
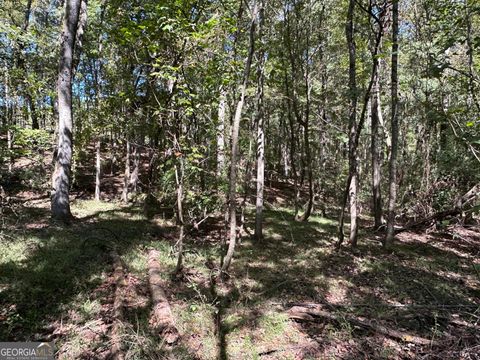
351 189
376 155
10 149
136 169
234 156
8 121
60 205
354 145
307 164
97 170
248 173
126 177
292 146
471 52
260 132
179 170
21 64
33 111
393 154
221 133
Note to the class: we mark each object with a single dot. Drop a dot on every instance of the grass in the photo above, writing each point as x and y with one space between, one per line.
55 284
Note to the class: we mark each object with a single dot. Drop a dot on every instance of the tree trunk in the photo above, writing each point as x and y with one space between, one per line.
260 134
8 120
351 189
393 154
60 205
471 66
136 169
97 170
376 153
292 145
126 177
221 133
352 159
234 156
260 179
10 149
161 320
179 170
248 173
33 111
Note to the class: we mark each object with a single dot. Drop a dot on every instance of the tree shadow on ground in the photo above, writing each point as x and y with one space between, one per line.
295 262
59 263
54 267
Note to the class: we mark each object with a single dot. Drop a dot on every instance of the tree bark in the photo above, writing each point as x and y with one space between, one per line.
179 171
234 156
471 66
60 204
260 133
8 120
356 139
221 133
394 121
314 312
134 176
376 153
161 320
351 189
97 170
126 176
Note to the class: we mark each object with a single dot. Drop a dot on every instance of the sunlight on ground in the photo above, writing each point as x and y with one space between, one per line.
56 284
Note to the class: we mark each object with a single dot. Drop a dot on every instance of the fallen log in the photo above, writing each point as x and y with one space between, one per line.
430 220
118 304
315 312
161 320
463 205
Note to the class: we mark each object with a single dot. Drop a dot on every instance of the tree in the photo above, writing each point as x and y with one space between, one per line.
60 204
232 192
394 125
260 120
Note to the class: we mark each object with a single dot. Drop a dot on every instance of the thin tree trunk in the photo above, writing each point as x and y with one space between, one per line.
136 169
353 164
33 111
10 149
260 179
292 146
21 64
306 135
126 177
221 133
247 174
471 52
8 121
260 132
97 170
351 189
179 170
376 155
234 156
60 205
393 154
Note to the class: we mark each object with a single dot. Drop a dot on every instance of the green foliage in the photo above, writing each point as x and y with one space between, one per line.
29 142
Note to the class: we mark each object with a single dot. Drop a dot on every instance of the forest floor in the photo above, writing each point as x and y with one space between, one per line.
57 284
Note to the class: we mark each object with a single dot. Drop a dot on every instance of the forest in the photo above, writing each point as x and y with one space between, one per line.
241 179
